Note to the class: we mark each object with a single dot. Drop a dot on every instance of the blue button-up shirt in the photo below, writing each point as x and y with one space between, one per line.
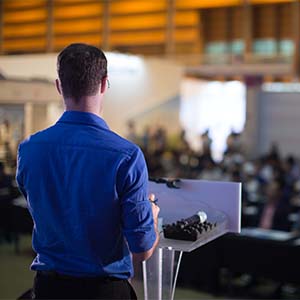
86 189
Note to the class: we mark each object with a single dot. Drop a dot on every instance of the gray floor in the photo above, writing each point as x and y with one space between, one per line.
15 276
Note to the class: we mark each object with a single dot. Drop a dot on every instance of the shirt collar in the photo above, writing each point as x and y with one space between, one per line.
80 117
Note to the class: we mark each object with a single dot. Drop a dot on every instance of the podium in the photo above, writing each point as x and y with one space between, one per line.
221 201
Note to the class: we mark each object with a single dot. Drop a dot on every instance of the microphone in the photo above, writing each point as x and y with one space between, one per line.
199 217
189 229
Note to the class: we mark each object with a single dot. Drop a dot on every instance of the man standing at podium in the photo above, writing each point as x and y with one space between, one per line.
86 189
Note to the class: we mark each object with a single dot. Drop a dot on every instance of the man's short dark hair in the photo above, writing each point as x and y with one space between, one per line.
81 68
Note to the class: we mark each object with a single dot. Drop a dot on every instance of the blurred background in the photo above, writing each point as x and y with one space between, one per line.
209 89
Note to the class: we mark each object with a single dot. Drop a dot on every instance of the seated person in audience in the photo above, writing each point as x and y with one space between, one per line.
292 170
206 143
131 134
6 185
6 197
233 142
274 213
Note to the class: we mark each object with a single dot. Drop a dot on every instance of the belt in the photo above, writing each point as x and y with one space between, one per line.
54 274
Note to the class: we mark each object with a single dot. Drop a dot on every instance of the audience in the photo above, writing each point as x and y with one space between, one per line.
271 183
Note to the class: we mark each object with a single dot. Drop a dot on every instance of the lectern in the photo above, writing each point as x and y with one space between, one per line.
221 201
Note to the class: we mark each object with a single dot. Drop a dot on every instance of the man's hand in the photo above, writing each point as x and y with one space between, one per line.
155 209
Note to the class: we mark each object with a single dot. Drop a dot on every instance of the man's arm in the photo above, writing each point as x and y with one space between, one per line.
138 257
139 215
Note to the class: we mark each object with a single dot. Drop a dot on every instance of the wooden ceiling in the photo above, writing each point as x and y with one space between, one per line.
136 26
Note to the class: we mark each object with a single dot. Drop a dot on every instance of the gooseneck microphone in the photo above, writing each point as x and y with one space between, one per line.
189 229
199 217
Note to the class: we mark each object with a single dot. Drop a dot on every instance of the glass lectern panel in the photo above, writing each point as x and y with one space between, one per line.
221 202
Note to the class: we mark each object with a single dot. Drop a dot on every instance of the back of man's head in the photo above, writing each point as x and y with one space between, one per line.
81 68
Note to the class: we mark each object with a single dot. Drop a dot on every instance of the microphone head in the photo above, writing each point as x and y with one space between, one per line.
202 216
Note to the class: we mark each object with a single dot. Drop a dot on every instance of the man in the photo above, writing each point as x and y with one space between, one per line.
86 191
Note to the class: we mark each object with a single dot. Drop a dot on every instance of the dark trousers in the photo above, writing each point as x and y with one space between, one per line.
50 285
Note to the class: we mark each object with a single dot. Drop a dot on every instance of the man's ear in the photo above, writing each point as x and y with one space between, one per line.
103 85
58 86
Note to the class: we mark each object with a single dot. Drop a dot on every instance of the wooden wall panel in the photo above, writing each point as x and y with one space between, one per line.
285 21
21 17
236 23
73 26
71 2
186 35
265 24
23 4
24 30
138 25
17 46
215 24
187 18
24 26
137 6
134 22
269 1
196 4
60 42
138 38
77 11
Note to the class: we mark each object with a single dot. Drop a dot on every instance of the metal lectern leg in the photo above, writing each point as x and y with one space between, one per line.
153 276
160 274
144 266
169 260
176 275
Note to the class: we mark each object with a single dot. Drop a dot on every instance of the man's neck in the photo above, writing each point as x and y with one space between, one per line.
89 104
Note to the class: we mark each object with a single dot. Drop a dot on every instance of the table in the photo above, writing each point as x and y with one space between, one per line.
261 253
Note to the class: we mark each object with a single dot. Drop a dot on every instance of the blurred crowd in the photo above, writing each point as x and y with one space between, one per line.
270 183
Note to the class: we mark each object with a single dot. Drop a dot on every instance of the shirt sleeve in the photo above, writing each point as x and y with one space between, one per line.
137 218
20 173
